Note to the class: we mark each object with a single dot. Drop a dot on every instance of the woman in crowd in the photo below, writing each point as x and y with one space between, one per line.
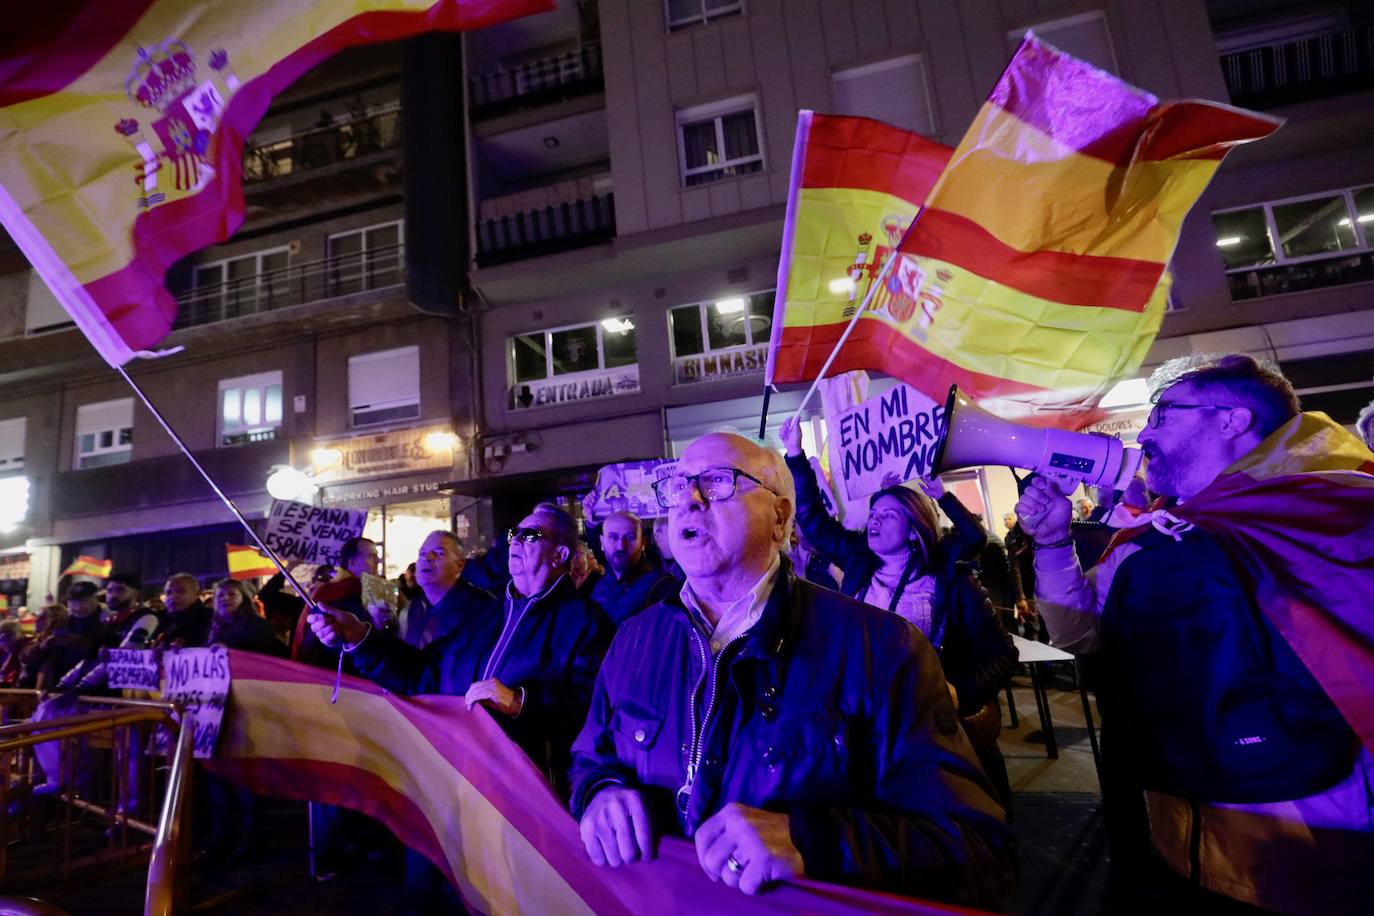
899 564
237 623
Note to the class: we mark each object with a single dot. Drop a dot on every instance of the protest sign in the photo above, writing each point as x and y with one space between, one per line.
894 432
628 487
131 669
199 680
311 534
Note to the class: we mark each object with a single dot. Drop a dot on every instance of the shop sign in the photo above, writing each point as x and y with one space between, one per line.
588 386
381 493
706 367
402 451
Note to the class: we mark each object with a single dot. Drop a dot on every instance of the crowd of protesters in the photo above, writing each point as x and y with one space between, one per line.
804 699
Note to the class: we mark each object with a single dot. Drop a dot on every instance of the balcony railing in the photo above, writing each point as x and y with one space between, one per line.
539 82
298 284
545 230
1298 71
322 146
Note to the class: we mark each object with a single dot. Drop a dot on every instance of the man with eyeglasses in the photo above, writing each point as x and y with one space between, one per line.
788 730
1232 621
530 659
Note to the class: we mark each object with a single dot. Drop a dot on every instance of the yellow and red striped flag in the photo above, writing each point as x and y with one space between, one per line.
89 566
1035 276
451 785
122 128
248 562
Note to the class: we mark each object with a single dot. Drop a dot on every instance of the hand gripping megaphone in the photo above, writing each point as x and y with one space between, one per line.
974 437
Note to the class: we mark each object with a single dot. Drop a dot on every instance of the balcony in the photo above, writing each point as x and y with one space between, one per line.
1299 71
538 82
360 136
312 281
560 217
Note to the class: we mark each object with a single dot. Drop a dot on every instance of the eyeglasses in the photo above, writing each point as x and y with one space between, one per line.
526 535
1156 418
714 484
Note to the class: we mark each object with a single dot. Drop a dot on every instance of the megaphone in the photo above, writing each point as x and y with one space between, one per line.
974 437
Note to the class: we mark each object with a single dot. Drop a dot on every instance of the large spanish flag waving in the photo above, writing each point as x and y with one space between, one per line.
122 127
1034 277
450 784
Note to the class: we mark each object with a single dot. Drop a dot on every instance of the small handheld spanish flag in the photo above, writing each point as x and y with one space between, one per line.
248 562
89 566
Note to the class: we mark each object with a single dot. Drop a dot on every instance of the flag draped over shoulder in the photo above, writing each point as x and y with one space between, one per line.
122 129
1035 276
1296 517
451 785
247 562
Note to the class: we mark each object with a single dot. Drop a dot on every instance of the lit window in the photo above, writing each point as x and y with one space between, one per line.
250 408
719 141
104 433
722 337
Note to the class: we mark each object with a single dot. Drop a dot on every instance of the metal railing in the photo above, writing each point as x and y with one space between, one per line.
558 227
310 281
538 82
321 146
165 893
1298 71
110 742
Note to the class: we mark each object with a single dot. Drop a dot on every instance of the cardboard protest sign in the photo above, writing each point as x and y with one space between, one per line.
894 432
311 534
628 487
199 679
131 669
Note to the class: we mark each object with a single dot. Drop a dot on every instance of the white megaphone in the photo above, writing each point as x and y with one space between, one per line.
974 437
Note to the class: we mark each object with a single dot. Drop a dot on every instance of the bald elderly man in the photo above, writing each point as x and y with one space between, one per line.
788 730
631 582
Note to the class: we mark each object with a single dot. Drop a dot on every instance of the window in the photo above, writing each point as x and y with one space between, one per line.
719 141
249 408
723 338
684 13
1085 36
104 433
894 91
365 259
384 387
1282 246
12 444
608 344
243 285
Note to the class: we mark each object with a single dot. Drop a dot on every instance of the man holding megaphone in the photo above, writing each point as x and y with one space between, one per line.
1234 626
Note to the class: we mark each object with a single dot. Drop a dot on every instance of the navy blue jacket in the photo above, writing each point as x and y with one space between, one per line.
978 655
643 586
828 710
552 649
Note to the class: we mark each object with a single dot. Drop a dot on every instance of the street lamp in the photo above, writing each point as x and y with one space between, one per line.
285 482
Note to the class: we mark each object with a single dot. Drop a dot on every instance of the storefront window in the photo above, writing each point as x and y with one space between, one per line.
1316 226
577 363
574 350
401 529
721 338
1243 237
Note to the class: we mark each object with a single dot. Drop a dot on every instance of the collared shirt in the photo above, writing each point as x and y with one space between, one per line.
739 616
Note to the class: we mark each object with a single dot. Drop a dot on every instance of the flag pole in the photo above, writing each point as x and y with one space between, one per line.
863 306
271 554
763 419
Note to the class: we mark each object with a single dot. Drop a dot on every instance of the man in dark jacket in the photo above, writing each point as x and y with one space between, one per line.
186 624
631 582
789 730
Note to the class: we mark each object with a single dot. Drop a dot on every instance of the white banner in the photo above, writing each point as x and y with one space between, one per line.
199 679
894 432
310 534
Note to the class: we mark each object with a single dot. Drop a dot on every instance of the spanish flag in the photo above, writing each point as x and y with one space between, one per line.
122 127
451 785
248 562
89 566
1034 277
